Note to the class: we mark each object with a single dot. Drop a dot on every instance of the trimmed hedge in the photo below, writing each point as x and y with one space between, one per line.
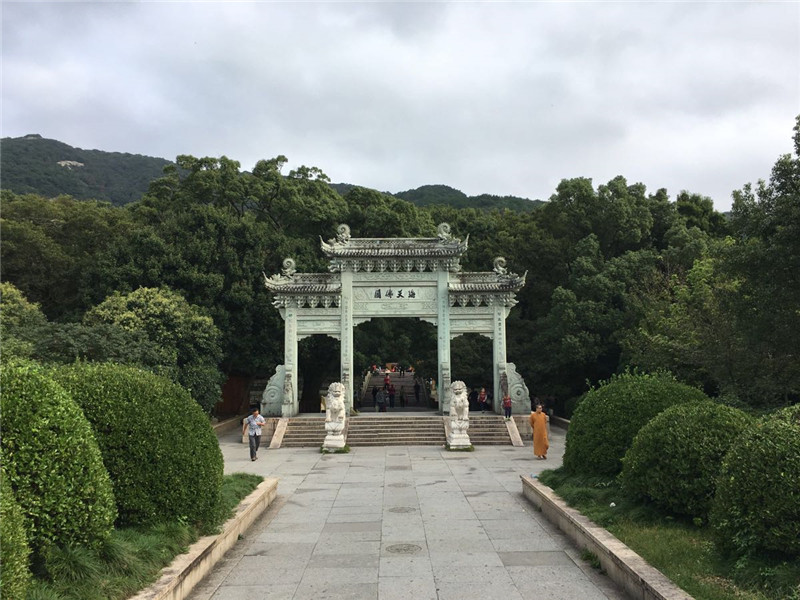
757 506
609 417
14 550
157 443
52 462
675 458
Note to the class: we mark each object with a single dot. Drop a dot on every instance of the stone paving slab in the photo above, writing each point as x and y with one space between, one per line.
410 523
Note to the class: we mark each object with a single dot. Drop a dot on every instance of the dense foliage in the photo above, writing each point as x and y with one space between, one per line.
52 462
608 418
618 276
757 505
675 459
157 444
14 550
183 335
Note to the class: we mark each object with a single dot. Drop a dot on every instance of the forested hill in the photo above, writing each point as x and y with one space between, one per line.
33 164
429 195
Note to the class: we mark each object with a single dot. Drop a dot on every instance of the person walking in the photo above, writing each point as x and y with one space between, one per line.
483 400
392 392
375 395
416 392
253 424
539 427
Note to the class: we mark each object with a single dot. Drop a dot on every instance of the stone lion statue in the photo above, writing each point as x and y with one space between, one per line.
334 403
459 403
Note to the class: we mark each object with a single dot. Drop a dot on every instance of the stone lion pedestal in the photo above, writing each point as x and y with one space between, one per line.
335 418
459 417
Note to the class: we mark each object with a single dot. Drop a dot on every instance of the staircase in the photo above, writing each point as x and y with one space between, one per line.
404 386
395 431
488 430
304 432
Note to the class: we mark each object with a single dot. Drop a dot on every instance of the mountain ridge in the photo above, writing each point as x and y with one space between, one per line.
48 167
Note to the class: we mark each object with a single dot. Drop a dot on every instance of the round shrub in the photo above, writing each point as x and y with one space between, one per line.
607 419
52 462
675 458
157 443
14 551
757 505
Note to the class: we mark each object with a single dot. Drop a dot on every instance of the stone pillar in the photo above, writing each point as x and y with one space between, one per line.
443 334
346 338
498 350
290 359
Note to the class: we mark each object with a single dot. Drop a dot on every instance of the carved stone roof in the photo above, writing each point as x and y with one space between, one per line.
486 282
400 248
304 283
344 247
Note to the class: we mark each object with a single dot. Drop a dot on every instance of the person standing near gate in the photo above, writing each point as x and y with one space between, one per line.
483 400
417 388
392 393
253 423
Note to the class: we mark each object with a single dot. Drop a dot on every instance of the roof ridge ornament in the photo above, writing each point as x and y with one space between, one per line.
289 267
343 233
443 232
500 266
342 239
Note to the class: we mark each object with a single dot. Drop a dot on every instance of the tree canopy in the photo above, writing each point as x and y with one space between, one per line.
618 277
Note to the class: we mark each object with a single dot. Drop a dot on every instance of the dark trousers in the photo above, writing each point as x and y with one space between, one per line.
508 412
255 442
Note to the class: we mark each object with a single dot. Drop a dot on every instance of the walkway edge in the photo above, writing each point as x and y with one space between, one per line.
625 568
187 570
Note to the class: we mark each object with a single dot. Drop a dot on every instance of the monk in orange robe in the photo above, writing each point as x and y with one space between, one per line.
539 427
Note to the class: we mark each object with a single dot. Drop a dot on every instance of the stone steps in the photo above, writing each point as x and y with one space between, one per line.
395 431
304 432
488 430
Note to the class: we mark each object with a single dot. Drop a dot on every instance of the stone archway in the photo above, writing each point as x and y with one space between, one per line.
391 277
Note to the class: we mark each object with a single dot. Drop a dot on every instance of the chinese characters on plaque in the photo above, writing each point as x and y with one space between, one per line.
396 294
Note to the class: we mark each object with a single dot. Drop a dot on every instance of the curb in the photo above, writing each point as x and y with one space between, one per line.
187 570
623 566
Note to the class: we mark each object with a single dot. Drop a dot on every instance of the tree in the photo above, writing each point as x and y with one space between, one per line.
185 335
49 243
698 211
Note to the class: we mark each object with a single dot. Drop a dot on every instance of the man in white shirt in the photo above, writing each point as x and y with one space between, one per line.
253 423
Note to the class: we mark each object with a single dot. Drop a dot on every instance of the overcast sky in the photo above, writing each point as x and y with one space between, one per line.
500 98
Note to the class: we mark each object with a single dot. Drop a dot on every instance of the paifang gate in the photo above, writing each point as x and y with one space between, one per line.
393 277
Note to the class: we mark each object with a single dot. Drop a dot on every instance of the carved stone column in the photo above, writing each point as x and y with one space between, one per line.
443 334
290 359
498 349
346 337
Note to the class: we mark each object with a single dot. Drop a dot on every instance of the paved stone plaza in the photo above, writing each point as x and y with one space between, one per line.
404 523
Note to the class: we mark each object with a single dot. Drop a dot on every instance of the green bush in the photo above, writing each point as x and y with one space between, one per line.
52 462
14 550
757 505
675 458
609 417
157 443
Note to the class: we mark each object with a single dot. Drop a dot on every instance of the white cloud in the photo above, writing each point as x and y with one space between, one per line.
503 98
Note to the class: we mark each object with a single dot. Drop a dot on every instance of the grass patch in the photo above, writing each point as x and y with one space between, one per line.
131 558
469 448
682 550
593 560
343 450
